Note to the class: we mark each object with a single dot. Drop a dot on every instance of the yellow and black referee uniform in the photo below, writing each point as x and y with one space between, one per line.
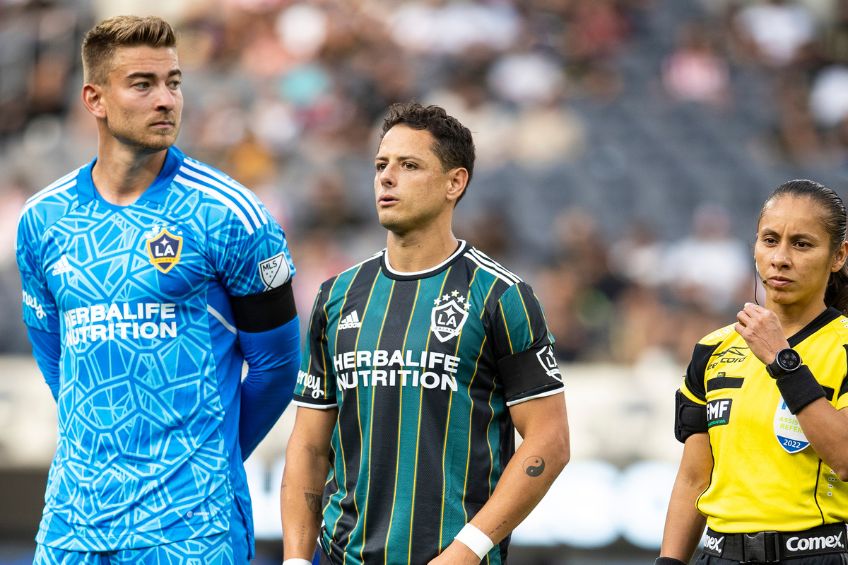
767 481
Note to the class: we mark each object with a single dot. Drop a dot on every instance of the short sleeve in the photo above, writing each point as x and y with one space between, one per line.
523 346
39 307
251 260
693 386
316 386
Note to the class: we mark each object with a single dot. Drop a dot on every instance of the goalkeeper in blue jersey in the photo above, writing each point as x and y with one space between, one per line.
149 278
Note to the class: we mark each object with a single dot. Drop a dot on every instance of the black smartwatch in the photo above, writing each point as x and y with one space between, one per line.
786 361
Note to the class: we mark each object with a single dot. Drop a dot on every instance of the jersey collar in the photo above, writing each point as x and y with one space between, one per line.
399 275
155 193
818 323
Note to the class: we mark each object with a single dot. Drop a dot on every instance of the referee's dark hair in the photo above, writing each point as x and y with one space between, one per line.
834 221
454 145
101 41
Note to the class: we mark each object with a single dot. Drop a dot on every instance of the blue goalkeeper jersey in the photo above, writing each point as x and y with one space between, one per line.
150 368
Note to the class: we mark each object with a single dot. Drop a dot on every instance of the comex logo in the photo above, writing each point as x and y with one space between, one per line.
713 543
796 543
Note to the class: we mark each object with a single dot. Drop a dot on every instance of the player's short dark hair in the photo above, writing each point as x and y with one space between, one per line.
835 222
454 145
101 41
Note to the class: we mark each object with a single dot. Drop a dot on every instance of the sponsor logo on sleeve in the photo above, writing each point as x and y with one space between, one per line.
448 316
548 361
310 383
32 302
274 271
164 249
718 412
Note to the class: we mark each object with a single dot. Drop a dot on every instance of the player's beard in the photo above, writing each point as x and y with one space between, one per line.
143 138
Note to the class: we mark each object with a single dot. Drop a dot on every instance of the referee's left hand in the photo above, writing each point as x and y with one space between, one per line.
761 330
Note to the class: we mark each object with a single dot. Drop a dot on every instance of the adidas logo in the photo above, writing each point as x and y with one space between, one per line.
61 266
350 321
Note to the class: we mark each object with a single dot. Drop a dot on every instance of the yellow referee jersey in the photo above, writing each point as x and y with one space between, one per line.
765 474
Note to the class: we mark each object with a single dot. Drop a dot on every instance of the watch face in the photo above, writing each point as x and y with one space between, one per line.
788 359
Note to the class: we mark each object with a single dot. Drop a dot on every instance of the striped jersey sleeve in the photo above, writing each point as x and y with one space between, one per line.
315 386
519 337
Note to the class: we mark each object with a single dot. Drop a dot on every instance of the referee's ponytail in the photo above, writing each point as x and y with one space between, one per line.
834 221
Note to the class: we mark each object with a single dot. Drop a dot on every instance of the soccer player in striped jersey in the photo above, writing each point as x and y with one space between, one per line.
420 363
149 278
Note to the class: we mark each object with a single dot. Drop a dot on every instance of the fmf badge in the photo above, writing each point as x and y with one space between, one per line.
164 250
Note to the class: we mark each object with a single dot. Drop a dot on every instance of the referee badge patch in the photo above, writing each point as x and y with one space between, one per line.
448 316
787 430
164 250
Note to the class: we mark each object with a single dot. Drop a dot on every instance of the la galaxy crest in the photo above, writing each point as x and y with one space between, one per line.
448 316
164 249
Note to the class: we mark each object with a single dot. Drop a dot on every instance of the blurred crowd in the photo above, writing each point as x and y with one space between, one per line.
286 96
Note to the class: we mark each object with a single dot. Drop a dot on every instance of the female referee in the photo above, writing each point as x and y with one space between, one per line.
761 411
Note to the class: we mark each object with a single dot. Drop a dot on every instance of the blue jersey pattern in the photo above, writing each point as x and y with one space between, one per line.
150 369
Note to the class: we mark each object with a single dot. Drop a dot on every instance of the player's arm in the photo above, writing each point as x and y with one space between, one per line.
544 452
46 349
40 314
684 524
304 475
269 336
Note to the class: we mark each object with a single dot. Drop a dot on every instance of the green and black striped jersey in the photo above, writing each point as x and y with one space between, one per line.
422 368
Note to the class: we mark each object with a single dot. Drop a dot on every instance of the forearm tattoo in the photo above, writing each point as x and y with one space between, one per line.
313 502
534 466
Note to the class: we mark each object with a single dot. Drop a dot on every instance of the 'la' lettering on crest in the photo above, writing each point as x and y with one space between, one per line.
164 250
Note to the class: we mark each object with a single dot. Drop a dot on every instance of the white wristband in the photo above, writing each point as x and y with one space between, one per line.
475 540
297 561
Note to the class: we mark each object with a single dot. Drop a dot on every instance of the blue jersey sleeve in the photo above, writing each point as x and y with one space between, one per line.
251 261
273 357
254 265
39 307
46 348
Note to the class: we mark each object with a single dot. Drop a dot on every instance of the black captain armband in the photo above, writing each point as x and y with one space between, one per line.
689 417
668 561
264 311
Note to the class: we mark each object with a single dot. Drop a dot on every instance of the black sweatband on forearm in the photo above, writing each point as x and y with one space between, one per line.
668 561
264 311
799 388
